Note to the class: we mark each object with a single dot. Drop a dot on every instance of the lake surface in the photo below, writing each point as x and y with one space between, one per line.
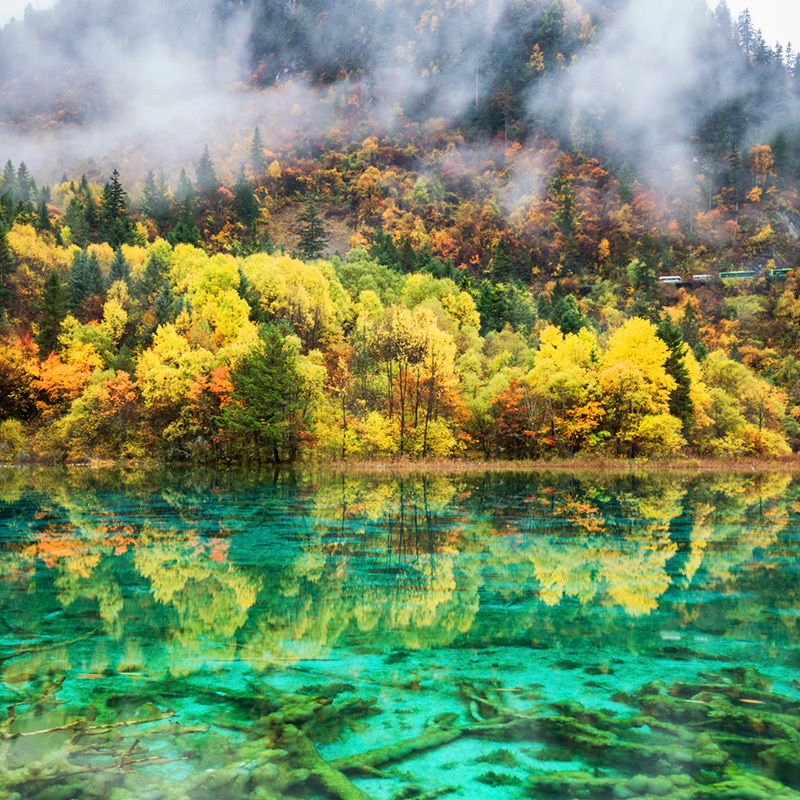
196 634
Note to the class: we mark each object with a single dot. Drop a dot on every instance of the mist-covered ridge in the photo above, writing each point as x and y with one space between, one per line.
146 84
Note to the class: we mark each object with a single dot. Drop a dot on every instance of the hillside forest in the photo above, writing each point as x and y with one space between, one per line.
485 261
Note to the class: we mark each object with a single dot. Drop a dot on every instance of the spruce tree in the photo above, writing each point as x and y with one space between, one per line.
268 413
9 179
8 265
406 257
91 213
206 174
149 194
543 307
245 203
24 183
23 212
75 218
384 250
6 210
185 190
186 231
52 309
257 159
165 306
566 315
313 235
680 401
116 226
119 270
43 221
491 306
155 270
95 285
155 199
502 263
77 280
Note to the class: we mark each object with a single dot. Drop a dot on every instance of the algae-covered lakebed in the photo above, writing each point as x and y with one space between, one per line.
212 635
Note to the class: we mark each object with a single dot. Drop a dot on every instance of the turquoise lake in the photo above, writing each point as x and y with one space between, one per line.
193 634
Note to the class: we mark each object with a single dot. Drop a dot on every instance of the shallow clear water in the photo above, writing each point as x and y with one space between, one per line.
197 634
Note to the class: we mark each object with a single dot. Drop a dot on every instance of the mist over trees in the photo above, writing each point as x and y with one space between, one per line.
649 85
525 229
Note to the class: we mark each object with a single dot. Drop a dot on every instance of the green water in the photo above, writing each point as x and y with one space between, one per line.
197 635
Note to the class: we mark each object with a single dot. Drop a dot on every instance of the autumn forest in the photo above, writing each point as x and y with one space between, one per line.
521 230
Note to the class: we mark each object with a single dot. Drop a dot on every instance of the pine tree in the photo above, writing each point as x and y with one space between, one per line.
53 309
313 235
257 158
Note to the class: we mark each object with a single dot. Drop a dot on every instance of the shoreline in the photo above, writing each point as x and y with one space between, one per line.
780 464
790 463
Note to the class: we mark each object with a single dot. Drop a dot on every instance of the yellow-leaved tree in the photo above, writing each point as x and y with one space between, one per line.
636 390
565 390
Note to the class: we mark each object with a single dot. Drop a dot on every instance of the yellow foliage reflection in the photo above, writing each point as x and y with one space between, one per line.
285 568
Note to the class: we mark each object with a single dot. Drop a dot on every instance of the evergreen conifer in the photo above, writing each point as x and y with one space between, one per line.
8 264
119 270
52 309
313 235
257 158
206 174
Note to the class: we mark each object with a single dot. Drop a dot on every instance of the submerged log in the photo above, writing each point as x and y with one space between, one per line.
327 775
431 738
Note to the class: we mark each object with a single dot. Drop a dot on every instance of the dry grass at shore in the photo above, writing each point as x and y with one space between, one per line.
408 466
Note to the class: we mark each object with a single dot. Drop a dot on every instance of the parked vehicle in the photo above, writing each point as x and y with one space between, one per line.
738 275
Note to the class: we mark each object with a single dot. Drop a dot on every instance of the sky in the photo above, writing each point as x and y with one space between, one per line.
779 20
16 8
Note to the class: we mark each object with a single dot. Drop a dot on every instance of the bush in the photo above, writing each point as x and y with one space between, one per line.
12 439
